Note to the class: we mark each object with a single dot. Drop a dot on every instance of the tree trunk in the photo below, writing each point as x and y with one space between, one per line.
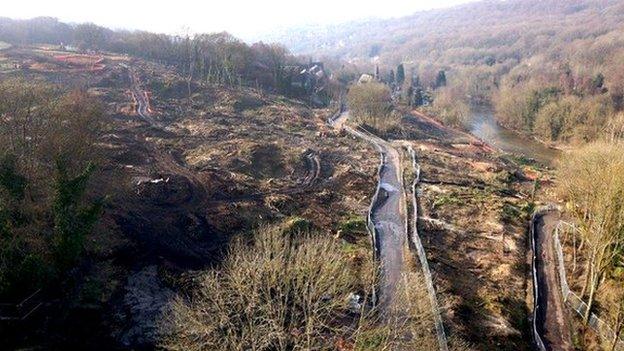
592 292
618 328
586 279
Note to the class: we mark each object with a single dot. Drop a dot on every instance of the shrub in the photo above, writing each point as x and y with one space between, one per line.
371 105
22 269
72 220
284 292
275 293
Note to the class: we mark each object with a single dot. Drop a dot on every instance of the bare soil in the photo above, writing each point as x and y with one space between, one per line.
182 183
474 208
552 316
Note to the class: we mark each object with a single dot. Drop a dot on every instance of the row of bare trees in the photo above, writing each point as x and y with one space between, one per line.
215 58
591 179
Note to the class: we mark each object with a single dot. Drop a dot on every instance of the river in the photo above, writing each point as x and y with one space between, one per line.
484 126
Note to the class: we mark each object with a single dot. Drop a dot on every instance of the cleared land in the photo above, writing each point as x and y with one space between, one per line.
474 206
169 186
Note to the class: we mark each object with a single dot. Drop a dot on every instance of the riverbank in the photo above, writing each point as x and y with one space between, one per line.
484 127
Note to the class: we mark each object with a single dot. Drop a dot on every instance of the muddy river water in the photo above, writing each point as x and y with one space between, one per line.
484 126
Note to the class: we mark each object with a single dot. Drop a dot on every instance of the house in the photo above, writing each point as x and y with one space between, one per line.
366 78
307 79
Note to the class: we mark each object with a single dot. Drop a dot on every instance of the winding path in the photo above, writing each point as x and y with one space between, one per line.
388 213
141 99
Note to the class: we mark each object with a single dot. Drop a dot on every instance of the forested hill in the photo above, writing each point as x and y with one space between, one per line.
552 68
465 33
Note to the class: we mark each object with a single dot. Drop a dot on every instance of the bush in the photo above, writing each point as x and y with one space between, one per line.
44 126
72 220
371 105
275 293
281 292
22 269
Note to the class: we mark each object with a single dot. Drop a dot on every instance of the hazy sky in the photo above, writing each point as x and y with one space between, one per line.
243 18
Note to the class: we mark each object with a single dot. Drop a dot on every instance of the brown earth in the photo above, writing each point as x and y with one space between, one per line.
552 316
474 207
179 189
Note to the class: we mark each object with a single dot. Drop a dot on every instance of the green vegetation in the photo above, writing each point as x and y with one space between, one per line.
447 199
400 75
48 139
72 221
353 226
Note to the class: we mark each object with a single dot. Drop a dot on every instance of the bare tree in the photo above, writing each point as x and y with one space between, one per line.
592 181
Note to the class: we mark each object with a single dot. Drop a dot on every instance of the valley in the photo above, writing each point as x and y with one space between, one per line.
449 179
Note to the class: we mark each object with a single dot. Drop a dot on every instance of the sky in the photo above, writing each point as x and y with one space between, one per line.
242 18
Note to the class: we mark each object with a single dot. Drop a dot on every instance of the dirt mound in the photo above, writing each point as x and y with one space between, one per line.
267 161
92 63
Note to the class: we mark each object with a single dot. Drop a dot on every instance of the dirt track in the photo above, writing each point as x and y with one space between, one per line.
551 321
312 160
389 214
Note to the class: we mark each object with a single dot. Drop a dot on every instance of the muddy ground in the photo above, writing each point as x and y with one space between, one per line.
220 161
205 168
474 204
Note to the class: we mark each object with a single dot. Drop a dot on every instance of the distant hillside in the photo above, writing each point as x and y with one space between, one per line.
462 34
550 67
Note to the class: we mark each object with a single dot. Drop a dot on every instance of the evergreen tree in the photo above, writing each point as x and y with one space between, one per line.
441 79
72 220
391 77
598 81
400 75
418 99
415 80
408 95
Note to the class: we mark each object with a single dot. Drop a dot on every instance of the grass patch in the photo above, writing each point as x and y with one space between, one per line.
446 200
511 214
354 226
